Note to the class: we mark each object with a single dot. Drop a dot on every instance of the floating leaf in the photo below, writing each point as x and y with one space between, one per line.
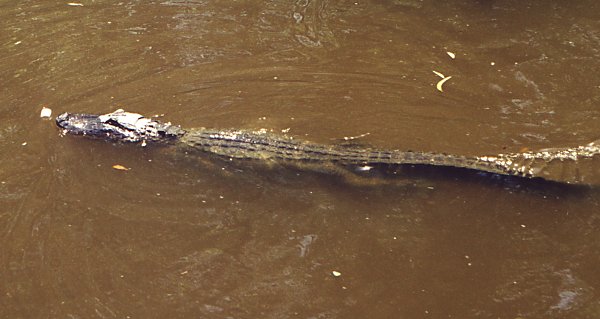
120 167
438 74
441 82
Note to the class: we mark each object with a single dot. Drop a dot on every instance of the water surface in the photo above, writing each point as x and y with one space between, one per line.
193 237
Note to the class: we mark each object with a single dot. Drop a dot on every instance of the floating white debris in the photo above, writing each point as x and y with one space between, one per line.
349 138
75 4
24 143
451 55
441 82
365 168
45 113
492 63
336 273
438 74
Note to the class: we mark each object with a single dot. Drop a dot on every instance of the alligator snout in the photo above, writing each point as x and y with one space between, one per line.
79 123
62 120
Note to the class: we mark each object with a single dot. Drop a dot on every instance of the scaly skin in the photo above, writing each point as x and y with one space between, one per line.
132 127
265 146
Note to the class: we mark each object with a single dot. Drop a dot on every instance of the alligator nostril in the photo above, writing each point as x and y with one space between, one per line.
62 119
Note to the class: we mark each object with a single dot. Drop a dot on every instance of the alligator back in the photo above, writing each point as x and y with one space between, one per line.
264 146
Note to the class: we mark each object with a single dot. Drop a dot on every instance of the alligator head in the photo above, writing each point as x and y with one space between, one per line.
119 126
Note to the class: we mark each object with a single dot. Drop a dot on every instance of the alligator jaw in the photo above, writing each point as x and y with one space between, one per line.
119 126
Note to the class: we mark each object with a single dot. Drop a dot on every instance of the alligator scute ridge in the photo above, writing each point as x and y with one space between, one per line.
125 126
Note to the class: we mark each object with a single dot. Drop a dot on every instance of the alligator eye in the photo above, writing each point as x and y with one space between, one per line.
116 123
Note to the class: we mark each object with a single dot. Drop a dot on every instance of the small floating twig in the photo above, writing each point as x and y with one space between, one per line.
349 138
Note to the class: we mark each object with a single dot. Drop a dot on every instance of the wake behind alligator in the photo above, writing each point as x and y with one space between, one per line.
566 165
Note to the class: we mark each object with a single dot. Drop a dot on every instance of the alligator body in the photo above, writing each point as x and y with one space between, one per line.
124 126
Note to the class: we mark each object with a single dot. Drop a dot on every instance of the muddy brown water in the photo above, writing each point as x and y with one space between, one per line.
183 237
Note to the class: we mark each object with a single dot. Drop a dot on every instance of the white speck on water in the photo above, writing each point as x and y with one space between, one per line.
298 17
336 273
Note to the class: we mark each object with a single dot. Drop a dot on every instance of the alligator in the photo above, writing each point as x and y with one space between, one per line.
121 126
